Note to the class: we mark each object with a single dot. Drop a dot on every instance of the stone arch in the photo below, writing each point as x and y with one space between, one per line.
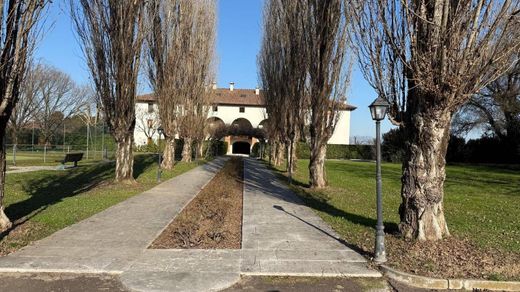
242 125
263 124
214 123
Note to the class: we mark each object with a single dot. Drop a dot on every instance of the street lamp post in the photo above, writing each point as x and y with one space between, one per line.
378 110
160 131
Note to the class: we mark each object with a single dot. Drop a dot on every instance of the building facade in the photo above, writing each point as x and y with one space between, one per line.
230 106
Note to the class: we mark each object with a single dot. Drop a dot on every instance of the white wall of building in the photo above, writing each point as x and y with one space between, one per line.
228 114
342 131
141 124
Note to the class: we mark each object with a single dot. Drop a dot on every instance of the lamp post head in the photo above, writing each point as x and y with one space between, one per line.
378 109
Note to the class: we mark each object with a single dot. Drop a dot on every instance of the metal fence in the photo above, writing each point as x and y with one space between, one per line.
38 154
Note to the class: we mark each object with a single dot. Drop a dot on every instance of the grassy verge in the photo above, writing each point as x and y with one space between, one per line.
481 205
36 158
42 202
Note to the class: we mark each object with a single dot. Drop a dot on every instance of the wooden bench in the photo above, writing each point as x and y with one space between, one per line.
70 157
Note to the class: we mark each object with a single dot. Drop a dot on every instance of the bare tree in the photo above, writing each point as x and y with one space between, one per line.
495 110
111 33
181 52
25 108
427 58
270 65
18 24
283 74
328 78
57 96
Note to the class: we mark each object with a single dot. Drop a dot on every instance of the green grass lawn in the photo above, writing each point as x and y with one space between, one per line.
42 202
481 202
30 158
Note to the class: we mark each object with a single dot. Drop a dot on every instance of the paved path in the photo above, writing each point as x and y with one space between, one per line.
21 169
280 237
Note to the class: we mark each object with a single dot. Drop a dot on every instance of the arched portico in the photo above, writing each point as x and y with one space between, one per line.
241 147
214 126
242 125
263 124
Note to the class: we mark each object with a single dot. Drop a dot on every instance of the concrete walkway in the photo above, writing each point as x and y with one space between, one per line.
280 237
22 169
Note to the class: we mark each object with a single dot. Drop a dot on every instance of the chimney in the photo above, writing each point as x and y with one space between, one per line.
214 85
257 91
231 86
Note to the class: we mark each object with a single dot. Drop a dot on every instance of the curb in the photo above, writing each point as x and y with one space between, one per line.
444 284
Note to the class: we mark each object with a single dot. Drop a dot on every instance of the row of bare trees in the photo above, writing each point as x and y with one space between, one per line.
304 71
47 98
180 51
178 39
426 57
111 34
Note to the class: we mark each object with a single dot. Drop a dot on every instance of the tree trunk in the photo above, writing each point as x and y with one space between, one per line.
278 153
291 157
200 149
294 156
125 159
317 177
5 223
168 159
186 150
422 210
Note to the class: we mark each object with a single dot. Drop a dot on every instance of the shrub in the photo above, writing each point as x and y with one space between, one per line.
339 151
213 148
392 147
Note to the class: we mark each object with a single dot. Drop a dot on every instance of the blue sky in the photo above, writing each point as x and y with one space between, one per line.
238 42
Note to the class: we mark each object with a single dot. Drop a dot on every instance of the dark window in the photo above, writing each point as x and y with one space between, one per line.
242 95
242 109
150 107
215 108
150 123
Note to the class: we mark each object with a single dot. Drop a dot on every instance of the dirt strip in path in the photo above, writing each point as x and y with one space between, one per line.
213 220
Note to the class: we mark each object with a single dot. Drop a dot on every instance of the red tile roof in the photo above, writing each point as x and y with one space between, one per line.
224 96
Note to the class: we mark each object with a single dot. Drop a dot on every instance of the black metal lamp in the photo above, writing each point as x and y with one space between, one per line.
378 110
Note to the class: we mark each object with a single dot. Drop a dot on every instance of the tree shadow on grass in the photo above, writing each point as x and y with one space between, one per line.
52 188
318 201
142 162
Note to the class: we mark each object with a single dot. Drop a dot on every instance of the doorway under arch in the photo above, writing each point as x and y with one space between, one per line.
241 147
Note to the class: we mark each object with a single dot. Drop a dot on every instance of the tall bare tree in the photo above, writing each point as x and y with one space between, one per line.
428 57
283 73
19 26
270 65
329 76
111 33
181 53
25 108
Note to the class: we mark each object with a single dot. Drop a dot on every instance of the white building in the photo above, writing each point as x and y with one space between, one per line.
229 106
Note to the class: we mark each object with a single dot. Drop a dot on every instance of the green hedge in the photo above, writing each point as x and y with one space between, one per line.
339 151
218 148
214 148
